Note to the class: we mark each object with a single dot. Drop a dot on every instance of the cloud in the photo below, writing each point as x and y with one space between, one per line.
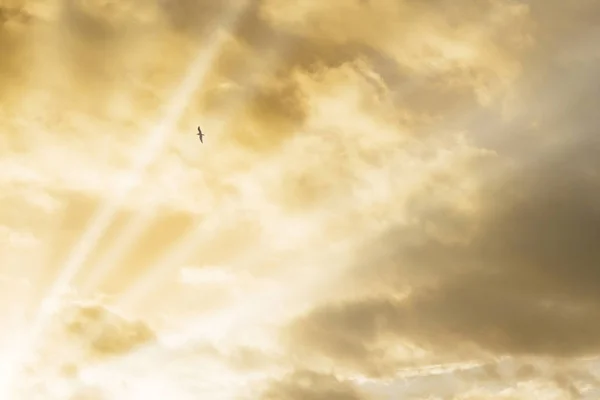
311 386
448 147
15 13
93 333
79 336
105 333
433 45
515 274
524 284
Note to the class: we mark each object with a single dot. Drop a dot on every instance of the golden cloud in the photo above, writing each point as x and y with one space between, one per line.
403 195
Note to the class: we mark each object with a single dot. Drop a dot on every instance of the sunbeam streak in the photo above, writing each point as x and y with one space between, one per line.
157 139
96 228
135 228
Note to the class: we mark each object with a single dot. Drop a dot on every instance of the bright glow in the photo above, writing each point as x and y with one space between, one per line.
148 152
195 275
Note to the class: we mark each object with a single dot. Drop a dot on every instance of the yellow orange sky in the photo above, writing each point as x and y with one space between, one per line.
394 199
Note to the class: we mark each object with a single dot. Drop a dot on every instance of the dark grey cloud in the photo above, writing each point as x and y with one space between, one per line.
527 282
519 274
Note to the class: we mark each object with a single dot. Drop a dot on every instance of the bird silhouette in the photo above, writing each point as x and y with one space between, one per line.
200 135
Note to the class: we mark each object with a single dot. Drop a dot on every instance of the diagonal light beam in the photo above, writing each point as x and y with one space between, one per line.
126 238
194 76
153 146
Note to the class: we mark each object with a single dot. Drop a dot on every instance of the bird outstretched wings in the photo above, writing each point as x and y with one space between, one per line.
200 135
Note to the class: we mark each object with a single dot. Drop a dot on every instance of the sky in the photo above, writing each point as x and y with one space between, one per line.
393 200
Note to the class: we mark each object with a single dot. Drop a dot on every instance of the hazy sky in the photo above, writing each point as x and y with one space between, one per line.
394 199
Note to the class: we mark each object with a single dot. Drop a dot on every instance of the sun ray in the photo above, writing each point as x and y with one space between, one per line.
150 149
122 243
225 216
257 303
250 259
133 230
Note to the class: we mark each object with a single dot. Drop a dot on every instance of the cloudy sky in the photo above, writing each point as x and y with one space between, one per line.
394 199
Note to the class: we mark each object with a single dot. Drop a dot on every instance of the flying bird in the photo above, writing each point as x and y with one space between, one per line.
200 135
